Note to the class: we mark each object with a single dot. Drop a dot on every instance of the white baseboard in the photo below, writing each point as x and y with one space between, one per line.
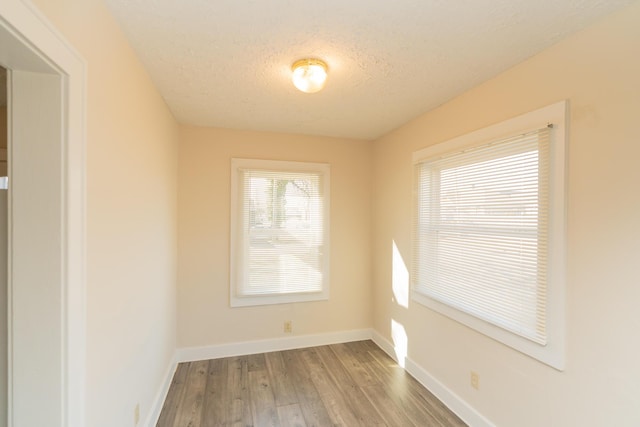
191 354
454 402
158 402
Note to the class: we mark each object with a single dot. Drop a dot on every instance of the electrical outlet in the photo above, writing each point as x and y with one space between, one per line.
475 380
136 415
287 327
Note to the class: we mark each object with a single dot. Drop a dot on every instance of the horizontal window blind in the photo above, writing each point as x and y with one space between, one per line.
481 231
282 232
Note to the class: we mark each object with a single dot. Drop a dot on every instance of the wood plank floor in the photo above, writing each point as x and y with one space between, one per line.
352 384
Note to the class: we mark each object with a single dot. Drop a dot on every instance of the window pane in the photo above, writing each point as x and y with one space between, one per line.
482 232
279 232
284 233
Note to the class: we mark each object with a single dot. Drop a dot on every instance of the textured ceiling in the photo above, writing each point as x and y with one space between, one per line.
226 63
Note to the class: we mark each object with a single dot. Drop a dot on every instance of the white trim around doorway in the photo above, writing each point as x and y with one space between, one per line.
29 42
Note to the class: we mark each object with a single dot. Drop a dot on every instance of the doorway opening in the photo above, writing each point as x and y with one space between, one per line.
45 295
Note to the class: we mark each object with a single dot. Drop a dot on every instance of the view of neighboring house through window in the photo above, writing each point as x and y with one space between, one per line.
279 234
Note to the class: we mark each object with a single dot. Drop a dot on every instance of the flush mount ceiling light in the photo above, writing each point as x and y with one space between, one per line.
309 74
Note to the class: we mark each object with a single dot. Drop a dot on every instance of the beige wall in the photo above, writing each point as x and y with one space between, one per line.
204 315
598 71
131 218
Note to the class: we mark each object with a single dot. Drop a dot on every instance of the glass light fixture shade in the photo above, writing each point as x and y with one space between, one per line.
309 75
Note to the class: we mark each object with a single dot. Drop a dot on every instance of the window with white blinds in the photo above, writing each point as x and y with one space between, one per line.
280 229
483 231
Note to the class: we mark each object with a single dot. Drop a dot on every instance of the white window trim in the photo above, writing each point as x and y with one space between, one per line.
553 353
235 235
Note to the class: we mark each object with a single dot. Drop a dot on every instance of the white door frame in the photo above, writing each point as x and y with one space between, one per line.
28 42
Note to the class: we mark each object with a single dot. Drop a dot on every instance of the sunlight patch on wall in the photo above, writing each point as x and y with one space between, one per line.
400 278
400 342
